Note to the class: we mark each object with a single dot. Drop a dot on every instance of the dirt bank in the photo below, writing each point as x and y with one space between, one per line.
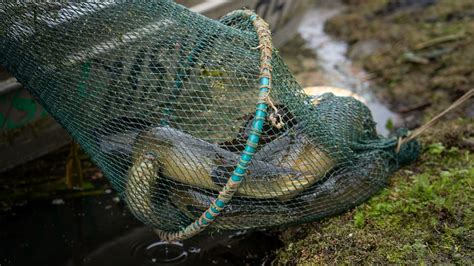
419 55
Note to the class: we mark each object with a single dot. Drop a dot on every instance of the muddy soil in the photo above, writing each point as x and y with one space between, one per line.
419 55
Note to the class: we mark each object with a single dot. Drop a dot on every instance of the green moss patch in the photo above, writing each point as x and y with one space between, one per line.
424 216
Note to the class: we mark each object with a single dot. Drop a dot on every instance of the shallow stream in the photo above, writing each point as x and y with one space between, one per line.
336 68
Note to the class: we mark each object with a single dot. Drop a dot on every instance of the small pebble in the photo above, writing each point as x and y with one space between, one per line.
97 175
116 199
57 202
194 250
108 191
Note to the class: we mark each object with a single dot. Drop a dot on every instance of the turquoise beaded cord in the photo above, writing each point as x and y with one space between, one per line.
233 183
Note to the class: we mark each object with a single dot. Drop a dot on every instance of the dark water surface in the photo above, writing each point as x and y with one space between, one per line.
96 230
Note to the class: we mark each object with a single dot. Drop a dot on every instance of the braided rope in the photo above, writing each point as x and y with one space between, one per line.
233 183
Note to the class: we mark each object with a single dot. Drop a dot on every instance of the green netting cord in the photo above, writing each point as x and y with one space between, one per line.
233 183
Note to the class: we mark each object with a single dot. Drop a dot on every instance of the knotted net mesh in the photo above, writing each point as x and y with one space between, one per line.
164 101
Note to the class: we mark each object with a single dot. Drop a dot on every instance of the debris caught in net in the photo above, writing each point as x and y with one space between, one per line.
196 122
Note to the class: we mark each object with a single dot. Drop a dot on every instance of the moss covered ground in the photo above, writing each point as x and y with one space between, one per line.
425 215
419 56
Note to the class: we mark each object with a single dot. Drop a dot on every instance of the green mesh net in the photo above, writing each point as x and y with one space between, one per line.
173 107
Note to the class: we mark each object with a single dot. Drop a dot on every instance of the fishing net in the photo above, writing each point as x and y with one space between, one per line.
196 122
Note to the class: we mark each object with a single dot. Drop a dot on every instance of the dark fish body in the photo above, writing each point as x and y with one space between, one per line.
118 135
269 134
297 152
345 187
255 213
198 163
148 198
340 190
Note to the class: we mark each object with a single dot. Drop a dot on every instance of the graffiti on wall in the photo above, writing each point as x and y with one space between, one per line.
19 108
